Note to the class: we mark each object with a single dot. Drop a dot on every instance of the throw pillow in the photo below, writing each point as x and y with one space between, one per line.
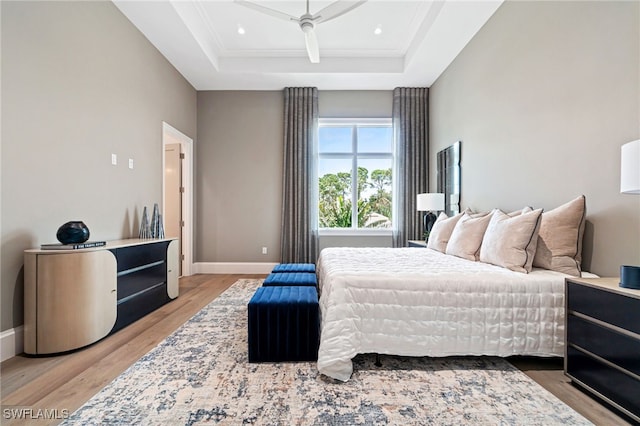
441 231
560 238
519 212
466 237
510 241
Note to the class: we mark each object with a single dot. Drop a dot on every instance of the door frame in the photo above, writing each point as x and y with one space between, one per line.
172 135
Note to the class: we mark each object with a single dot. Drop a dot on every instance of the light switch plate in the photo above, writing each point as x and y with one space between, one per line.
114 159
131 163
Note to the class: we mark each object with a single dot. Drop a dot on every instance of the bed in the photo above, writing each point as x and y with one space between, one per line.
421 302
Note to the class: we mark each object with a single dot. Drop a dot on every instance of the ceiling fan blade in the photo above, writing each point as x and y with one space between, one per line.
267 10
335 9
311 41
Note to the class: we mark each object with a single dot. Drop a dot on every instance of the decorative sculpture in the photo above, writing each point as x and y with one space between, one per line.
145 230
73 232
155 229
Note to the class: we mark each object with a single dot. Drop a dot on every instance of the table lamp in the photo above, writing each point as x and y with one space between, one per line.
429 202
630 184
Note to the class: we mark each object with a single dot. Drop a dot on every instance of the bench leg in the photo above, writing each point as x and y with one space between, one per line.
378 363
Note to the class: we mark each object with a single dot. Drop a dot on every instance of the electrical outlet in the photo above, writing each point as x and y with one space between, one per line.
131 163
264 250
114 159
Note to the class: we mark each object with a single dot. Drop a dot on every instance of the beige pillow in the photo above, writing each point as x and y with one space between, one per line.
476 214
466 237
510 241
560 238
519 212
514 213
441 231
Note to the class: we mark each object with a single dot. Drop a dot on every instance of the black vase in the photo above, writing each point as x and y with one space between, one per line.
73 232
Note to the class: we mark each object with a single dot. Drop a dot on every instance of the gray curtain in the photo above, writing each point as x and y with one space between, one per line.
299 239
411 130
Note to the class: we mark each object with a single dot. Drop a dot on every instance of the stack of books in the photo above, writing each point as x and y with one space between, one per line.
76 246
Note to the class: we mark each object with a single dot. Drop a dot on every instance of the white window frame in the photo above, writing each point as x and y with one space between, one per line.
354 156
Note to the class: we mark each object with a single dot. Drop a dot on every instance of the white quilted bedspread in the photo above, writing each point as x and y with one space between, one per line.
420 302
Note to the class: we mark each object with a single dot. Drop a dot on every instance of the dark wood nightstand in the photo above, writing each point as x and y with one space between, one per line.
602 353
417 243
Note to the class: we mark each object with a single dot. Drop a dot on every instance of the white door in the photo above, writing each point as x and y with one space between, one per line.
173 194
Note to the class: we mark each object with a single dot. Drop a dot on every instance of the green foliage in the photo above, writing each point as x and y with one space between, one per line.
374 199
335 213
381 180
334 185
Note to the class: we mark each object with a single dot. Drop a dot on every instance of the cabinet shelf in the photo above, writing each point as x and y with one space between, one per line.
140 293
140 268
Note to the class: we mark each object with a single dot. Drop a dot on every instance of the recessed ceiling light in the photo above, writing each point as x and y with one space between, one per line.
378 30
241 30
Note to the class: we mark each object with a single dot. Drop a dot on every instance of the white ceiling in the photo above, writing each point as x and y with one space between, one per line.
419 39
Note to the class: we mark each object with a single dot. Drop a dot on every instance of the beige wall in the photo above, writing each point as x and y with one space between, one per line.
239 170
355 103
79 83
542 99
239 176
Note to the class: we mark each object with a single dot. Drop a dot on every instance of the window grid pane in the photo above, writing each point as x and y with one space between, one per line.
375 139
375 193
335 193
335 139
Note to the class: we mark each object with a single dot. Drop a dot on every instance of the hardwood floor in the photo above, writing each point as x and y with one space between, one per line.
549 373
61 384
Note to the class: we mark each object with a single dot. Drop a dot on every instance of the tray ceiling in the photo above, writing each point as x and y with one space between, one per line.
414 43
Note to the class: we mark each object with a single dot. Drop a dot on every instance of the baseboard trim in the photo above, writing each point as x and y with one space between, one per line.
233 267
11 342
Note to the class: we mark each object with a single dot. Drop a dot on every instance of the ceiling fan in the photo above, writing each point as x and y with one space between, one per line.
308 21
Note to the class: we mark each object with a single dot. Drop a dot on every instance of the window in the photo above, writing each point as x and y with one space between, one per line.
355 172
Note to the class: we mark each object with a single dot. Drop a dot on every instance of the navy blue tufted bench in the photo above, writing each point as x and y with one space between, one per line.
284 324
295 267
291 278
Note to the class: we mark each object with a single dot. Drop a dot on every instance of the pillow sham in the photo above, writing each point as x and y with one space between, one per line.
526 209
560 238
513 213
467 235
477 214
510 241
441 231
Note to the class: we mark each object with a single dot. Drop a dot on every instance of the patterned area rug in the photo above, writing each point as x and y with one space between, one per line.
200 375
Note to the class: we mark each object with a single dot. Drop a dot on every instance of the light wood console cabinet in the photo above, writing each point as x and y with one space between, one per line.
73 298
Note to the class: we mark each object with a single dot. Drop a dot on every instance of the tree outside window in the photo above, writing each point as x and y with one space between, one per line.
355 169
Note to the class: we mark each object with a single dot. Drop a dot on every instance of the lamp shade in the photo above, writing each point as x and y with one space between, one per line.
630 168
430 202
